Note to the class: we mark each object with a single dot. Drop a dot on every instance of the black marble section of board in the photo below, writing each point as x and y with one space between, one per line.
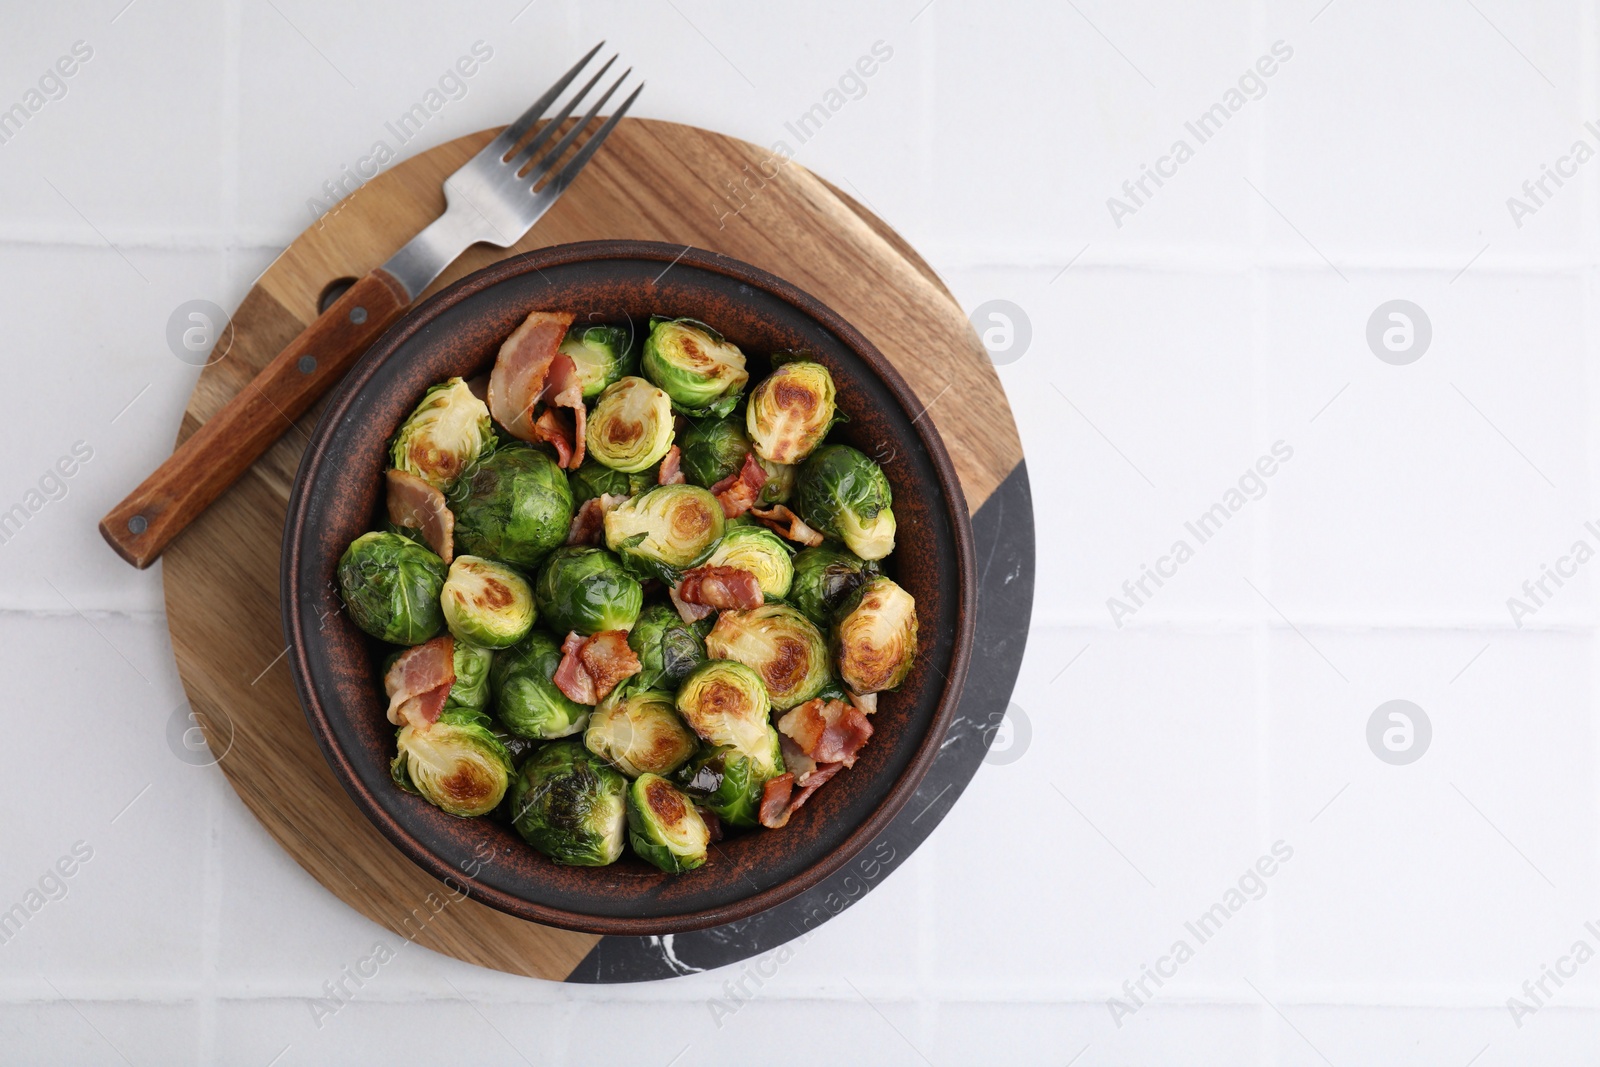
1004 535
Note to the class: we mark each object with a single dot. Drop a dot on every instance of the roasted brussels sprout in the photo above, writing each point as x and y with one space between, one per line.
640 733
486 603
726 704
844 494
471 688
665 530
596 479
515 507
526 699
391 586
668 648
726 783
703 373
714 449
779 644
568 804
444 436
663 826
585 589
876 637
824 577
631 426
761 552
601 354
456 764
790 411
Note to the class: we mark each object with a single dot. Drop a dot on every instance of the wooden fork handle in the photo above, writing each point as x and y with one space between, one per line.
226 444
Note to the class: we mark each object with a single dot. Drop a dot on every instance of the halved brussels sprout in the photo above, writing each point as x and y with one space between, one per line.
726 704
790 411
515 506
568 804
844 494
640 733
824 577
526 699
877 637
486 603
714 449
702 372
456 764
631 426
726 783
779 644
585 589
759 551
471 688
444 436
391 586
663 826
596 479
668 648
601 354
665 530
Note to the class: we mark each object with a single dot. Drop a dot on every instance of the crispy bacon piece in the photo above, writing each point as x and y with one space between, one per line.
737 493
419 681
868 704
786 523
518 378
551 428
779 800
829 731
589 524
690 613
720 587
670 473
608 660
591 667
564 389
414 503
795 761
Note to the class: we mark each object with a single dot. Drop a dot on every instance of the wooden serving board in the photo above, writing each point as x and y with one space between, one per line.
221 577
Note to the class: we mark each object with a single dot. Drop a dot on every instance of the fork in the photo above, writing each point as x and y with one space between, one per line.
494 198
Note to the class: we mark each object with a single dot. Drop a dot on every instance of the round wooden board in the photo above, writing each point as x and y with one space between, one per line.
221 577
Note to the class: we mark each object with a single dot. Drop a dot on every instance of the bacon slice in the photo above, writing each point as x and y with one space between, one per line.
518 378
737 493
779 800
786 523
418 682
415 504
690 613
795 761
720 587
868 704
670 473
829 731
564 389
552 429
591 667
608 660
589 524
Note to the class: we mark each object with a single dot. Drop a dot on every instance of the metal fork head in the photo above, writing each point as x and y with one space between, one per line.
498 194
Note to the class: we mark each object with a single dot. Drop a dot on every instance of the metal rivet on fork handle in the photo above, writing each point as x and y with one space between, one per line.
307 364
138 524
358 315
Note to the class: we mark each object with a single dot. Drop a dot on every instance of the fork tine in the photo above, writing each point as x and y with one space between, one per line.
508 138
552 157
563 178
554 124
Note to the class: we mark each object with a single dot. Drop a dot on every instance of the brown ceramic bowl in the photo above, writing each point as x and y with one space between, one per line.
337 497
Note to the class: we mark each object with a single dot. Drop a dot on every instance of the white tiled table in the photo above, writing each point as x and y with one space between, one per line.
1228 713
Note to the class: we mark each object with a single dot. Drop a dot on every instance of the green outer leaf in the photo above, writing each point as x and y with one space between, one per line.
526 699
391 587
587 589
569 804
516 506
